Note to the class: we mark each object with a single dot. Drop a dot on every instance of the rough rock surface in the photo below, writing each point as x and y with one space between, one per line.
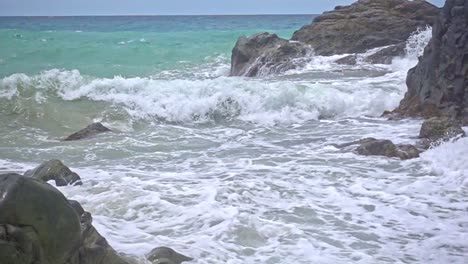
165 255
265 53
87 132
366 24
382 147
56 171
438 85
386 55
26 203
94 248
440 128
38 225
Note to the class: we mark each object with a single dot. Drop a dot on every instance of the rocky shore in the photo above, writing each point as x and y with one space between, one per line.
39 225
357 28
437 86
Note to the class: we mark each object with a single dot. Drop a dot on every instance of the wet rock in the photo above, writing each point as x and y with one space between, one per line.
440 129
19 245
54 170
265 53
382 147
386 55
26 202
348 60
438 85
366 24
165 255
38 225
88 132
94 248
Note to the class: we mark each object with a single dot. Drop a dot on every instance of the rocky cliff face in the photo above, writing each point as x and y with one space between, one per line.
366 24
438 85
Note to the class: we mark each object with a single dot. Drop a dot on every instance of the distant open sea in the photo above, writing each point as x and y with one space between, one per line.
226 169
128 45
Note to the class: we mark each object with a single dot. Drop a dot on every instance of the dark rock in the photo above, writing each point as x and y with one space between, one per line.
386 55
26 202
348 60
94 248
19 245
438 85
90 131
440 129
406 151
165 255
265 53
382 147
365 25
56 171
38 225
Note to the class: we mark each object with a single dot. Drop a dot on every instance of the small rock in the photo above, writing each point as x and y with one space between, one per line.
54 170
382 147
348 60
90 131
165 255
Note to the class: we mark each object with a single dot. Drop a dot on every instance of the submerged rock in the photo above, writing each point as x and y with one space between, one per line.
87 132
165 255
383 147
366 24
438 85
54 170
265 53
38 225
440 129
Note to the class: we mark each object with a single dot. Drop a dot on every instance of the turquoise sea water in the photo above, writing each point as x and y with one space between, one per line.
127 46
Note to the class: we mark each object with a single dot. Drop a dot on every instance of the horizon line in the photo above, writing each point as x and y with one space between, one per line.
155 15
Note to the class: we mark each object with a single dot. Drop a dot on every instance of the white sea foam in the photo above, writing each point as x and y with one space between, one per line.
263 102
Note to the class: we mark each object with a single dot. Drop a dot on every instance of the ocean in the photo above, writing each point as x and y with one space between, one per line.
227 169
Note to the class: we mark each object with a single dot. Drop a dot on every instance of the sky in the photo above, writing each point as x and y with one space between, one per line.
167 7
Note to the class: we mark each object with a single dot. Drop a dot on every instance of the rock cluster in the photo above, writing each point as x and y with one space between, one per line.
438 85
38 225
364 25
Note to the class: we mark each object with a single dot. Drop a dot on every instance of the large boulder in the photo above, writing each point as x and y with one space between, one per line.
265 53
26 202
88 132
366 24
165 255
438 85
56 171
38 225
